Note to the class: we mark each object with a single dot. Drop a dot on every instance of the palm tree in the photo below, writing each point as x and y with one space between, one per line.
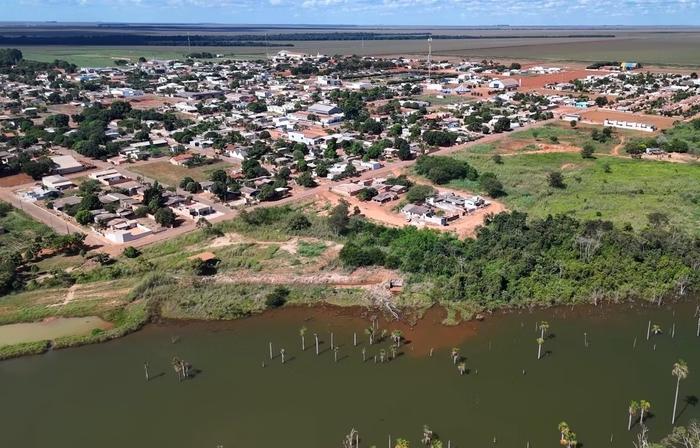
401 443
564 430
427 436
644 407
455 355
632 411
282 354
335 354
302 333
544 326
364 354
370 332
145 367
382 354
462 367
656 329
540 341
393 352
316 337
571 441
396 337
680 371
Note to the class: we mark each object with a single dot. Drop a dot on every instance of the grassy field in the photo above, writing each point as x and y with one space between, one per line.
169 174
19 232
444 101
559 133
611 188
87 56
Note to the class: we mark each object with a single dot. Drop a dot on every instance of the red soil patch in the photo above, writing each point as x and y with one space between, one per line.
15 180
539 81
597 116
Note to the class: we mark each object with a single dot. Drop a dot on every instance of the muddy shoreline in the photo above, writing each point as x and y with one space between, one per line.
423 329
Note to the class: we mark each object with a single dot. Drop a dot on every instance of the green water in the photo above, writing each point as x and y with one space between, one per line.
97 396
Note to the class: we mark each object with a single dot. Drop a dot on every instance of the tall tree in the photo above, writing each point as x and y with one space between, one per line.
680 371
632 411
644 407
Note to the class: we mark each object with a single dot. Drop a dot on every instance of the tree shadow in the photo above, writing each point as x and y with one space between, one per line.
551 336
193 373
156 376
689 400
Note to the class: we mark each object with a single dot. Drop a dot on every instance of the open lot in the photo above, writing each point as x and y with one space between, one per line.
552 137
166 173
622 190
597 116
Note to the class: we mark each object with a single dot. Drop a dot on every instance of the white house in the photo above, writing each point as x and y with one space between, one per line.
504 84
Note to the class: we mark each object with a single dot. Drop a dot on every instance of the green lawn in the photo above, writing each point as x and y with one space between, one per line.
169 174
627 194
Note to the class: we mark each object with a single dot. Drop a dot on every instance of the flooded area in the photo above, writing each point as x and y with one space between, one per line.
595 360
50 329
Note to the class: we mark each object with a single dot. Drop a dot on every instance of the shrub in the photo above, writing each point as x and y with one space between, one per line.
491 185
131 252
556 180
277 297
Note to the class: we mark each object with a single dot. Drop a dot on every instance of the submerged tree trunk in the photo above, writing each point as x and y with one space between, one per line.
675 401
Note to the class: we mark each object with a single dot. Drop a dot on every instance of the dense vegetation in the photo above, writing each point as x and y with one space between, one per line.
516 262
276 39
683 137
23 241
441 170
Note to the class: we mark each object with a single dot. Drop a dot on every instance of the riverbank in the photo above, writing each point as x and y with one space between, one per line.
433 325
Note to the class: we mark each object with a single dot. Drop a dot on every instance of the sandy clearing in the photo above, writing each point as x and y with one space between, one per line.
597 116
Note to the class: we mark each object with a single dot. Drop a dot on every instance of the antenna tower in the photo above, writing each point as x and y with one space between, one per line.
430 52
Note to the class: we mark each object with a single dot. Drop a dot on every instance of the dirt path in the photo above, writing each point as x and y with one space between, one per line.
360 278
616 150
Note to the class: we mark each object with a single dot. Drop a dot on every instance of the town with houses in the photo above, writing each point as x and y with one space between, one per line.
146 149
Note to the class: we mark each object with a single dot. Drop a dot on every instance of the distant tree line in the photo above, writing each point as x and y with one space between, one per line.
248 39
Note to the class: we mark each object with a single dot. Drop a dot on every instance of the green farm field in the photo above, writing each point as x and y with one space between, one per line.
90 56
679 48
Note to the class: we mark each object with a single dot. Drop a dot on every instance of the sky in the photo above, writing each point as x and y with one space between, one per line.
360 12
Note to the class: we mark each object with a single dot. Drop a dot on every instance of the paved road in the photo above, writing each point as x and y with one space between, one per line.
47 217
